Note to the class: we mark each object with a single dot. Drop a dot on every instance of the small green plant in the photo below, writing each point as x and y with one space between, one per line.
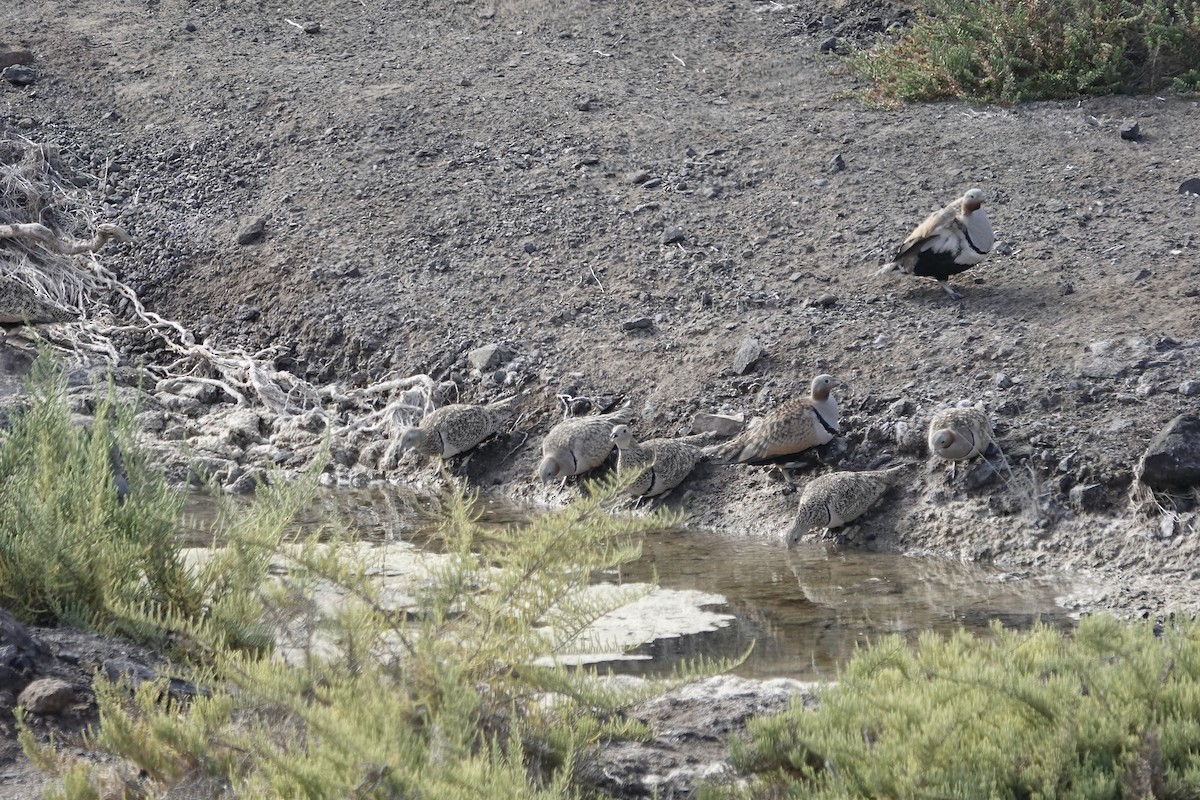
1187 84
1017 50
1113 712
75 549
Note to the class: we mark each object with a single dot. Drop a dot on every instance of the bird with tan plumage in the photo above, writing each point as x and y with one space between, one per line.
664 463
457 428
833 500
794 427
580 444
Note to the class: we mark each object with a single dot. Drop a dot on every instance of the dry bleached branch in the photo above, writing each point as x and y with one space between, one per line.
43 280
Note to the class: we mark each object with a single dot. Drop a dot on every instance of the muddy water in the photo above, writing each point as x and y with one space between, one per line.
804 610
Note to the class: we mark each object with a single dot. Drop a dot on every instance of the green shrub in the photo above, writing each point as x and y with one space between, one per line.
74 550
453 694
1112 713
1017 50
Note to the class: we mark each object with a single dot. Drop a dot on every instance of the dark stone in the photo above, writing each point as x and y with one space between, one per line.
837 163
1190 186
1131 131
1172 460
247 313
979 475
19 75
832 45
638 324
1087 497
10 57
673 235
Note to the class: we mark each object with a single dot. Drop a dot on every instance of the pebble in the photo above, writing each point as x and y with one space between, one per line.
653 183
672 235
1190 186
46 696
488 357
1189 388
638 324
1131 131
747 354
720 424
837 163
251 230
640 177
1003 381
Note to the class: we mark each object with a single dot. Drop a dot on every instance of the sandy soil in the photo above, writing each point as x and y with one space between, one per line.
620 194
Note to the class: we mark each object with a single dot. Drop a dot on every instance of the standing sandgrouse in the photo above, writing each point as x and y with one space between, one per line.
795 426
664 462
948 242
577 445
832 500
457 428
957 434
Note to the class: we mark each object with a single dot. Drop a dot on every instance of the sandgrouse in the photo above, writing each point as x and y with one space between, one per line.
948 242
832 500
664 462
577 445
957 434
457 428
795 426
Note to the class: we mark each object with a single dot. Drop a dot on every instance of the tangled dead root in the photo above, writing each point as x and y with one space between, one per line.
51 273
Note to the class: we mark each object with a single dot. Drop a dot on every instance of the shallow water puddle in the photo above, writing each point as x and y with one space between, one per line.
805 609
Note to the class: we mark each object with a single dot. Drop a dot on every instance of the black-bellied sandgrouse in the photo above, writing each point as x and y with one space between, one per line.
664 462
795 426
832 500
577 445
457 428
957 434
948 242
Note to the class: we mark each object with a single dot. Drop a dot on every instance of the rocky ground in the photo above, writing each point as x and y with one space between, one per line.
612 201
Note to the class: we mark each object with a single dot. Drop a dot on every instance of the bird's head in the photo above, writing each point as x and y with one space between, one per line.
621 436
973 199
822 385
808 519
412 438
549 469
941 440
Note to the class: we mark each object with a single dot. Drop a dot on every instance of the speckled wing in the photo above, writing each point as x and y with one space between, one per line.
673 460
456 428
838 498
791 428
19 304
581 444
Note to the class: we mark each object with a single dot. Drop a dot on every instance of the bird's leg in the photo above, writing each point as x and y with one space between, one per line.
461 469
950 290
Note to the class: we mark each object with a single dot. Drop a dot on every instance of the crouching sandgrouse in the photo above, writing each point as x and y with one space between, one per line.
580 444
948 242
457 428
794 427
664 462
957 434
833 500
